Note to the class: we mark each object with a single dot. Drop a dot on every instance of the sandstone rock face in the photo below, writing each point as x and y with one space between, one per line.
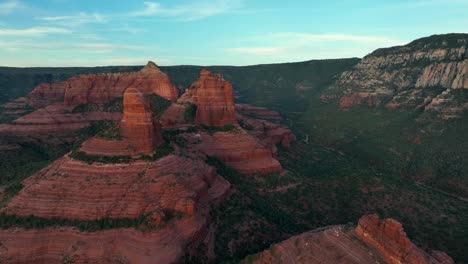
389 238
109 148
385 242
268 132
328 245
72 189
56 119
406 76
215 101
75 190
101 88
239 150
139 124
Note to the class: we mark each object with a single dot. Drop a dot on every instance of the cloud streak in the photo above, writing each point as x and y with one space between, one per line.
9 6
33 31
296 44
75 20
189 11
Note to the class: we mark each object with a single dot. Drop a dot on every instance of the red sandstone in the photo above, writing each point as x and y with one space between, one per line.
215 101
101 88
389 238
139 124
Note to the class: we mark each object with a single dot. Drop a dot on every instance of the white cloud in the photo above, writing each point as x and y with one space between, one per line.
189 11
298 37
33 31
297 46
77 19
9 6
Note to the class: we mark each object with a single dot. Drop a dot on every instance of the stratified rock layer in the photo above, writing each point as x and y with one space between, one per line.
74 190
139 124
425 73
344 246
389 238
101 88
215 101
237 149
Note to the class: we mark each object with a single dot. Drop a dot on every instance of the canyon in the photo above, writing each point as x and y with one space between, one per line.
130 173
244 158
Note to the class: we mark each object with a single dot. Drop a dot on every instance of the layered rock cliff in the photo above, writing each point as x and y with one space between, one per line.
389 239
215 100
373 241
101 88
139 124
427 70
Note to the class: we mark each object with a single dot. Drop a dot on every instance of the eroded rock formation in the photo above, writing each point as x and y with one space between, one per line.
101 88
238 149
389 239
71 189
385 242
139 124
424 71
215 101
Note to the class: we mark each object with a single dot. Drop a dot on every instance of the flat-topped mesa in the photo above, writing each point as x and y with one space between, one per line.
139 124
215 101
388 237
101 88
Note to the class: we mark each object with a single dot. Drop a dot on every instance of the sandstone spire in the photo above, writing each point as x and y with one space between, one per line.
139 124
215 101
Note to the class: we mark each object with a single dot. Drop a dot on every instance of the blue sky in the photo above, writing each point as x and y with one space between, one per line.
215 32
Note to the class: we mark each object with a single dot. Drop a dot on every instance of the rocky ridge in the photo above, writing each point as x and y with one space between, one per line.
372 241
428 73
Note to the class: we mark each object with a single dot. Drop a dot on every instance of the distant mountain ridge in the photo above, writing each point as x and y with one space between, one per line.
429 73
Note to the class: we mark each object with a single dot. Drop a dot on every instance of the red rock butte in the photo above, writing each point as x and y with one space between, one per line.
388 237
101 88
139 124
215 101
385 242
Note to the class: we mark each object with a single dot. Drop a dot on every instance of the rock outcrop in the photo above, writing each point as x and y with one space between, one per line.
389 239
238 149
215 101
101 88
139 124
74 190
256 111
385 242
410 76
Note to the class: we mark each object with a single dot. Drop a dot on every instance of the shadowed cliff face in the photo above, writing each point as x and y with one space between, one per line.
427 74
139 125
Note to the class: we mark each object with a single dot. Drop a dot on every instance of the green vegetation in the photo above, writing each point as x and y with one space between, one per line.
110 131
159 103
34 222
190 113
214 129
244 125
266 222
162 151
90 159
